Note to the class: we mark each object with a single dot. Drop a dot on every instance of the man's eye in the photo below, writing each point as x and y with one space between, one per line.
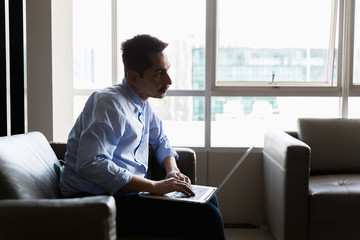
159 74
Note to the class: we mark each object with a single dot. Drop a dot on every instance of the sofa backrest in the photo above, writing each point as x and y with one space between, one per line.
334 143
27 167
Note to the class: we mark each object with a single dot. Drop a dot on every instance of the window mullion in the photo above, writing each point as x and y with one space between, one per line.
210 63
347 59
333 24
114 45
180 93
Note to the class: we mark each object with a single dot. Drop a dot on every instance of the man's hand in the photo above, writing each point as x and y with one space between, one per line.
172 170
174 181
140 184
178 175
170 185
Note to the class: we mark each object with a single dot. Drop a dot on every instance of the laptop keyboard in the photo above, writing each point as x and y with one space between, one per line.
199 191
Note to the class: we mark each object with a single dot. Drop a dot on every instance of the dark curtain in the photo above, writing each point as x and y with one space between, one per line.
17 90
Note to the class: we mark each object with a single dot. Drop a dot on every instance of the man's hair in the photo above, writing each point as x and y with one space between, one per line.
136 51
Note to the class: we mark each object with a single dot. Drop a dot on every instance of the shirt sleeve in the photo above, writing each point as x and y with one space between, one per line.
103 127
159 141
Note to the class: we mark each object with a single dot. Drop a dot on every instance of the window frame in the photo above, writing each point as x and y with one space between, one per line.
264 88
264 85
353 89
343 89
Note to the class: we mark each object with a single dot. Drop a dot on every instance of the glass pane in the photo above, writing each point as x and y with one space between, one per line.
92 43
242 121
287 40
183 119
179 23
354 107
356 78
78 104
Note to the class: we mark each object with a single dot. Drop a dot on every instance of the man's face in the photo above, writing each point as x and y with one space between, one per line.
155 80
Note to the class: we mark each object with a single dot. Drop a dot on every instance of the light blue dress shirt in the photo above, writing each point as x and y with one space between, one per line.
109 142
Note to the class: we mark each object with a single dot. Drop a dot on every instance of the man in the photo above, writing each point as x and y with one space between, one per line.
107 152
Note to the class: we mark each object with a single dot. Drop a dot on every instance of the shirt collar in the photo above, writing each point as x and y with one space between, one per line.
139 104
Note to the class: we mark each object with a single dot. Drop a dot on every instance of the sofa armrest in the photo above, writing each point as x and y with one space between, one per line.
286 179
186 164
76 218
59 148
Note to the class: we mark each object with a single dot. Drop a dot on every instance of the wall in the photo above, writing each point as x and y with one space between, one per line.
241 197
39 66
49 64
62 59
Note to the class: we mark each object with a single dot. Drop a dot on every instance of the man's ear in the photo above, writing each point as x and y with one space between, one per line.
131 77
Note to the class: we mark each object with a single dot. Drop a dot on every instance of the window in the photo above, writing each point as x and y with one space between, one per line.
356 76
176 23
354 106
183 119
277 42
92 52
242 121
238 67
92 44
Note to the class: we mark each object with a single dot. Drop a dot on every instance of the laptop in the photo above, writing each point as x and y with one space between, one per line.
203 194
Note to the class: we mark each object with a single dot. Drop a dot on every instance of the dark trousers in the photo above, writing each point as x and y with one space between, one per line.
159 218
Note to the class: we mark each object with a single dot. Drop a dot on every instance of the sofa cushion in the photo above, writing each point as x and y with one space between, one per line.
334 143
334 209
27 167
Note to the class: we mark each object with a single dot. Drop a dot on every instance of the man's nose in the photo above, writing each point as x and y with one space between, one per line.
168 79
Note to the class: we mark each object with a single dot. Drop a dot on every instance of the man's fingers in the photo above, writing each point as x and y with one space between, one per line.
187 179
183 177
185 188
173 184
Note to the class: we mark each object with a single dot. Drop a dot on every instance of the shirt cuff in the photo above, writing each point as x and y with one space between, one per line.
119 181
167 153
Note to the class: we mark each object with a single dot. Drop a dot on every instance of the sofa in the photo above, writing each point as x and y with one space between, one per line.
312 180
31 206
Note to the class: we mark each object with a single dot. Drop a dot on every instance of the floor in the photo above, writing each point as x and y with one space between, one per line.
261 233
